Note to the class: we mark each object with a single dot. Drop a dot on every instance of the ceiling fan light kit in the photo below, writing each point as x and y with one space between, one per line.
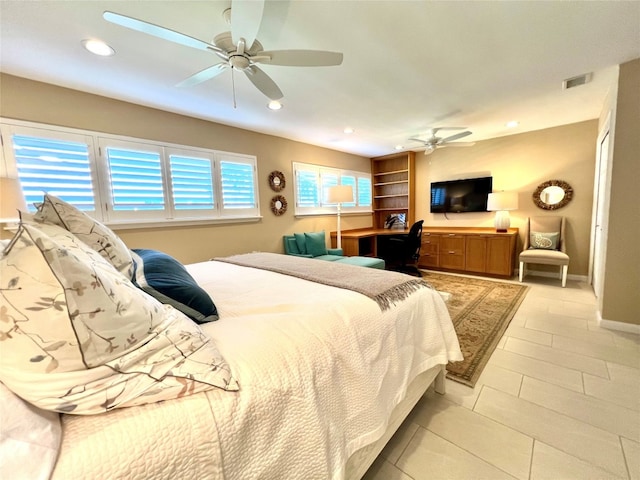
231 47
434 141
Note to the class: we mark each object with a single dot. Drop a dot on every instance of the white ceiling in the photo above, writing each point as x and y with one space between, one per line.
408 65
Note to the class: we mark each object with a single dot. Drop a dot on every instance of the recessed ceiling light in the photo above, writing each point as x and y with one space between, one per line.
399 147
512 124
274 105
98 47
348 130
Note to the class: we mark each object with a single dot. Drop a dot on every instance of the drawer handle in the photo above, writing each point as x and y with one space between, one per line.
452 234
451 252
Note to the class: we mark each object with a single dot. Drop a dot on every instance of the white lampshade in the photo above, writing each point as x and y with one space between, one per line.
502 201
340 194
11 199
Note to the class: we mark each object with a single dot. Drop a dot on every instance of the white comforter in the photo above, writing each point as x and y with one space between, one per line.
320 370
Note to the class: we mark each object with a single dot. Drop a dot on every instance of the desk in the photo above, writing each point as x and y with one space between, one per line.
366 242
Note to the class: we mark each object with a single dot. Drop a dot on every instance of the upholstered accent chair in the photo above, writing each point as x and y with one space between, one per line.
544 243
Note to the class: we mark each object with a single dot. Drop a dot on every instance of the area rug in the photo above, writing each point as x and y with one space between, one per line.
481 311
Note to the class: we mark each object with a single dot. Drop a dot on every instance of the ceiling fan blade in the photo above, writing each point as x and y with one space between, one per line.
301 58
458 144
157 31
203 75
263 82
246 16
413 139
456 136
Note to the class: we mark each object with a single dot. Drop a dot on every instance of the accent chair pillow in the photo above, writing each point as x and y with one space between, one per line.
544 241
315 242
78 337
101 238
165 279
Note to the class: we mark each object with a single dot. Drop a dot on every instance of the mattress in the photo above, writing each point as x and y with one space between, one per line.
320 370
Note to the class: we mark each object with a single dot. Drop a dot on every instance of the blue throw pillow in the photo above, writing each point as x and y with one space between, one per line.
164 278
301 242
316 245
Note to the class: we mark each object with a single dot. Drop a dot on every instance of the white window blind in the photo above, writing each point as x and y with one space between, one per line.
191 183
312 182
119 180
59 166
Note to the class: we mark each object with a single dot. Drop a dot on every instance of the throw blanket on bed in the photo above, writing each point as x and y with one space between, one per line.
384 287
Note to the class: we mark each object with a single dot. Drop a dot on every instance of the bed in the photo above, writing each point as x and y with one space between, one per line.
326 367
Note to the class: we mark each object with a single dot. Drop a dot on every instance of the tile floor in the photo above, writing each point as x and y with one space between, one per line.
559 399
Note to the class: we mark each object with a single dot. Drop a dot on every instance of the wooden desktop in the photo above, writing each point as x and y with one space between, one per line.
363 242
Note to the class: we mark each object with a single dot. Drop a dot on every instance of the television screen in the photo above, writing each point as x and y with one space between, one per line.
458 196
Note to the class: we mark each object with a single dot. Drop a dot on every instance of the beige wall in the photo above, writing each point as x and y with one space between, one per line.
39 102
520 163
619 301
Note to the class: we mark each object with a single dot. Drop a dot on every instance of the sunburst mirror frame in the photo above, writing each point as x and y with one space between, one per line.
566 188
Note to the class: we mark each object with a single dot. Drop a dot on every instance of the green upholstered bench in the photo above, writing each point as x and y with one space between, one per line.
370 262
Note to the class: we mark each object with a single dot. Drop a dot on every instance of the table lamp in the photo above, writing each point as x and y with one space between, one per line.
501 203
339 194
11 200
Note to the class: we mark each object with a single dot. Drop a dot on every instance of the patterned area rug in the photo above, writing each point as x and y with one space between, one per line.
481 311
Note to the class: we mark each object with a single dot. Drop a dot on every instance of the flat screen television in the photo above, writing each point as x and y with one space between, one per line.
459 196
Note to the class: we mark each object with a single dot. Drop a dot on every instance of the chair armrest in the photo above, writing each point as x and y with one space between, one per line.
335 251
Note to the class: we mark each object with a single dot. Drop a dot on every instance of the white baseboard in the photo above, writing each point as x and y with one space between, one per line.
538 273
619 326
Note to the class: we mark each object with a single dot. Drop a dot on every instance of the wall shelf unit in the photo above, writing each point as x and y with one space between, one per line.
393 187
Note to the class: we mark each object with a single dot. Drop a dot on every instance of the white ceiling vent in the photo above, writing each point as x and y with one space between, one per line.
576 81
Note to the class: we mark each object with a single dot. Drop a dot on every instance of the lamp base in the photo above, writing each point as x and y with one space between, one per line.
502 221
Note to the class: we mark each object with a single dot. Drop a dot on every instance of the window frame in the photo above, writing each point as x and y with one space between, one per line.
324 179
98 142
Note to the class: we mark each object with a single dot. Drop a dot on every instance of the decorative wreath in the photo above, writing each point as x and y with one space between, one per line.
568 194
277 181
278 205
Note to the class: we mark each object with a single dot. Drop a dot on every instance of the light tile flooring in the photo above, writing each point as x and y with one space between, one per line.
559 399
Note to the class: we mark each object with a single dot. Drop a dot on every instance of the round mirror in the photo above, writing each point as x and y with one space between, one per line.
278 205
552 195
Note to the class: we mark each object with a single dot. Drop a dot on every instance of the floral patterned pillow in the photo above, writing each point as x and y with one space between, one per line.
78 337
101 238
544 241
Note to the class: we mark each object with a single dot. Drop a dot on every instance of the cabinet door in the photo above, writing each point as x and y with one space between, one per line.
452 252
475 253
429 252
499 255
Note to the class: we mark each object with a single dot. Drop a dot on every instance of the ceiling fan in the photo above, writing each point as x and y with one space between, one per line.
434 141
238 49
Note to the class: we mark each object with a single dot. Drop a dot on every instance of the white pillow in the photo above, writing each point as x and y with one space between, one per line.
29 438
101 238
78 337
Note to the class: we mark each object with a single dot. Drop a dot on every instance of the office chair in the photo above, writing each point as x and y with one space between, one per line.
407 250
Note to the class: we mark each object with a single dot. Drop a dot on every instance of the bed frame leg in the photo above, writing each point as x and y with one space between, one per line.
439 383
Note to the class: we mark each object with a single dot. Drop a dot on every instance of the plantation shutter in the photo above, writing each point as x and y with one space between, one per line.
238 185
191 184
307 188
56 166
364 192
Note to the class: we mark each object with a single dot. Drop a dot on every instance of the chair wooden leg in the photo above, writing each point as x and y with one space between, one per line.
521 272
564 269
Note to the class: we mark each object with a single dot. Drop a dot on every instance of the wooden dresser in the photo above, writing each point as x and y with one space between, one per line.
470 250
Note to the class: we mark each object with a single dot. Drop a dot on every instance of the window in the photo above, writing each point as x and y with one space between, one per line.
312 181
120 181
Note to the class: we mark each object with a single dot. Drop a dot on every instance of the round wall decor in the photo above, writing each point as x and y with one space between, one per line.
277 181
552 194
278 205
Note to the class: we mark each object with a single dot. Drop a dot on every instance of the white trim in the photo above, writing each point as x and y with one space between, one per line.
132 225
619 326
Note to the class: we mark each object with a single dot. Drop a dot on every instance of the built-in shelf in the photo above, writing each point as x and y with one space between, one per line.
395 191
